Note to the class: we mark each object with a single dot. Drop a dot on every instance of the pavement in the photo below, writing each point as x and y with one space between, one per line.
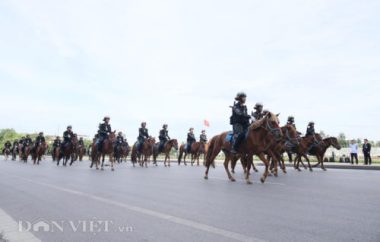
176 204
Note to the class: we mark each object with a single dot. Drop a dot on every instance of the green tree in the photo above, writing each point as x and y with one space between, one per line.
342 140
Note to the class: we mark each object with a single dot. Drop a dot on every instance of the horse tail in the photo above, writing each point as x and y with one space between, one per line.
210 150
180 154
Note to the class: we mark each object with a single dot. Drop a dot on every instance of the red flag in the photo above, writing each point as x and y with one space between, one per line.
206 123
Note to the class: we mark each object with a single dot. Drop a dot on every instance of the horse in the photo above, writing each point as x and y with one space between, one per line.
121 151
320 150
290 139
68 151
81 151
108 149
260 137
146 151
173 143
24 152
55 153
38 152
94 155
6 152
196 149
301 151
14 152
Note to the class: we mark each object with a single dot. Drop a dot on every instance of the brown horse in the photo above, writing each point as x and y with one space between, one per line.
261 136
146 152
81 151
320 150
108 149
173 143
301 151
196 149
290 140
68 151
38 152
94 155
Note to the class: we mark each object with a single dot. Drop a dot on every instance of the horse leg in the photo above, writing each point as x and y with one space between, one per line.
226 161
321 161
233 164
308 163
184 159
102 157
112 161
249 163
167 157
266 163
210 161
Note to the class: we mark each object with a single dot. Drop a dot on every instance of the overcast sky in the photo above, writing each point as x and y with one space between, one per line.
180 62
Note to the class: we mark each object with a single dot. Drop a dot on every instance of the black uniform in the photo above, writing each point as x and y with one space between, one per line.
8 145
310 131
66 139
15 145
119 140
190 140
143 134
81 142
240 123
367 154
257 116
26 142
104 130
203 138
40 139
163 137
56 143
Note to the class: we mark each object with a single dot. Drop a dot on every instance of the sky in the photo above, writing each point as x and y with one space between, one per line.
179 62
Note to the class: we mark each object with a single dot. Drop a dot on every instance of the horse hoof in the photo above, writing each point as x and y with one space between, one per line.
324 169
102 169
233 172
112 169
249 182
256 170
232 179
262 179
311 169
275 174
206 177
97 168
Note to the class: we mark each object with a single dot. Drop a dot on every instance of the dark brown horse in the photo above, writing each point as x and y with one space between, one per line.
6 152
320 150
301 151
81 151
146 152
24 152
261 136
173 143
108 148
14 152
55 153
122 152
196 149
38 152
94 155
68 151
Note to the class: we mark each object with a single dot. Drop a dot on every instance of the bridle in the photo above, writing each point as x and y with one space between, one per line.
275 131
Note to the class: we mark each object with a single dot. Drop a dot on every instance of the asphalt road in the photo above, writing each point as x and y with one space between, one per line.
177 204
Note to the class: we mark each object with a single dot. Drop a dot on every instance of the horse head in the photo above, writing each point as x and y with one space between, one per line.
174 143
112 136
334 143
272 124
291 134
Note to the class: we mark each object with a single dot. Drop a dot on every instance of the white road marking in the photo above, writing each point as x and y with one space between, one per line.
177 220
11 232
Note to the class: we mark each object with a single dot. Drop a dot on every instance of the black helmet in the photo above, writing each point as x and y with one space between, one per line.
164 126
311 123
258 105
27 136
143 123
290 119
41 133
106 117
120 133
57 137
69 127
240 95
